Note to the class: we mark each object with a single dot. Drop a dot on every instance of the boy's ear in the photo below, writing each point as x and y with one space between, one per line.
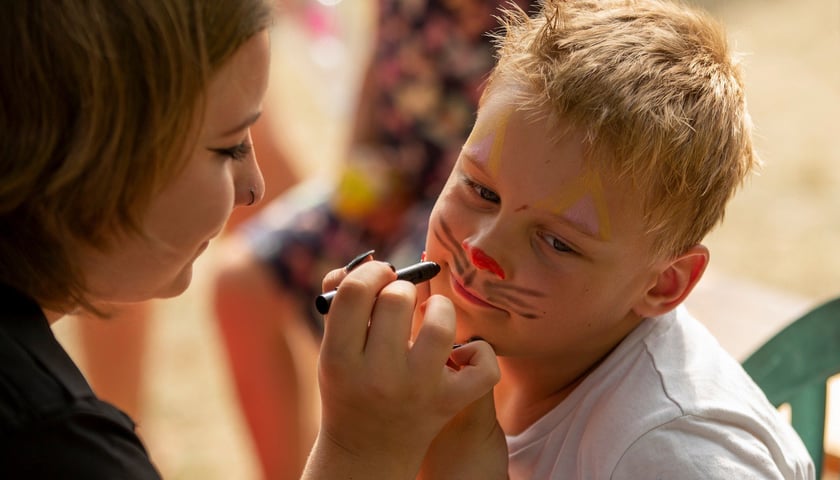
674 282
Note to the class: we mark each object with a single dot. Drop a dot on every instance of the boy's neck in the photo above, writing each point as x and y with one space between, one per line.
523 396
531 387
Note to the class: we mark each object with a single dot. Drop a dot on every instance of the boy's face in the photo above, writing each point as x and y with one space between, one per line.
540 254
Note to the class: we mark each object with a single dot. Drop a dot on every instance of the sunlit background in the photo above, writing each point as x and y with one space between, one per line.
775 254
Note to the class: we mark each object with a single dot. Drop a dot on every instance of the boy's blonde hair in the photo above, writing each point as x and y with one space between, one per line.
657 92
97 99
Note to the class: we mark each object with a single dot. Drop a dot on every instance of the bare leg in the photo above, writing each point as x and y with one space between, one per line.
272 358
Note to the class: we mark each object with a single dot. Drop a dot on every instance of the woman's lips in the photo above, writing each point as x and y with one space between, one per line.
459 288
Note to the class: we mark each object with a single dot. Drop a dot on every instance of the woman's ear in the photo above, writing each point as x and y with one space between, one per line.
674 282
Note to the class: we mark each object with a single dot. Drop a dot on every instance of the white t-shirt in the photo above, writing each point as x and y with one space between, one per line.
668 403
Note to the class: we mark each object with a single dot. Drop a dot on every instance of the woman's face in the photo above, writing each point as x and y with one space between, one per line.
220 174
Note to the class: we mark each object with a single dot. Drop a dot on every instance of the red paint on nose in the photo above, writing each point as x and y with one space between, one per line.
482 261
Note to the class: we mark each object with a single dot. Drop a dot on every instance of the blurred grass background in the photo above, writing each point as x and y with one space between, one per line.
783 229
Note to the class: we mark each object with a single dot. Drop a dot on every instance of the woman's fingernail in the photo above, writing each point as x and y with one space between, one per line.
471 339
358 261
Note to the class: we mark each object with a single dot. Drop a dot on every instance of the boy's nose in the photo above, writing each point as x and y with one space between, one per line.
483 261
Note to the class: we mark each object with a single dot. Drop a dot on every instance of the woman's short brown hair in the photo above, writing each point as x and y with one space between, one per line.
96 101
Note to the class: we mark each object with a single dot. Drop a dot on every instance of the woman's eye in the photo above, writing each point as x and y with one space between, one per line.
237 152
556 243
483 192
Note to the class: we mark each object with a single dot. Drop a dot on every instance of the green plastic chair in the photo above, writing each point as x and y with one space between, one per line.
794 366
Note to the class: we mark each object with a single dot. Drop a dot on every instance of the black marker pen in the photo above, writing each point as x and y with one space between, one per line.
417 273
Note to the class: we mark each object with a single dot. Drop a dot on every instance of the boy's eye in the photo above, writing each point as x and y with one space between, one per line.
556 243
482 191
237 152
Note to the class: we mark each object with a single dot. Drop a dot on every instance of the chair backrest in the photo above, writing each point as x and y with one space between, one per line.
794 366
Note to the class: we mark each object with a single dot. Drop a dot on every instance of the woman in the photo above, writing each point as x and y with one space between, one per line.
126 146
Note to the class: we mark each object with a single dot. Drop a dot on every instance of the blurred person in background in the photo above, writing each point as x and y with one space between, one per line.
416 108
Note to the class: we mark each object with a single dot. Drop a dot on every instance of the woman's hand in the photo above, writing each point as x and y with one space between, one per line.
385 398
472 444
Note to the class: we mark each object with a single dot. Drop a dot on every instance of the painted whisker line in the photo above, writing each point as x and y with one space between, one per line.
504 294
455 247
513 296
448 239
513 304
500 287
509 300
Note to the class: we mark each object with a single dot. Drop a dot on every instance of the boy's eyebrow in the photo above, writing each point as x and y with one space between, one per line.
247 122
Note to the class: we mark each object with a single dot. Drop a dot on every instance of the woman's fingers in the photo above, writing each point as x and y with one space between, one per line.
471 445
433 340
346 326
390 324
423 294
334 277
377 385
478 372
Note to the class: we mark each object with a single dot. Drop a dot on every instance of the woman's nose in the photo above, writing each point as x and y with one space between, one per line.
482 261
250 185
250 190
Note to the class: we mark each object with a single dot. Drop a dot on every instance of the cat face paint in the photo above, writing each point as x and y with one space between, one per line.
582 202
538 254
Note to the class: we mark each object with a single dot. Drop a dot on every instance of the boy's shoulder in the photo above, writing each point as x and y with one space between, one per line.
665 399
704 409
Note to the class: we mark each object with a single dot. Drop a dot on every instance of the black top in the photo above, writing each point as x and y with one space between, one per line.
51 423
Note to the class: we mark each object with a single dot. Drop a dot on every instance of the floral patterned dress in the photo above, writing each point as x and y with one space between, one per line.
430 61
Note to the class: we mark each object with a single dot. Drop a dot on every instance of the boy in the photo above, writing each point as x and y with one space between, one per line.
608 141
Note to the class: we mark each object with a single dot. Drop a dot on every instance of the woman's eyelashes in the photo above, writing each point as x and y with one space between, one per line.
482 191
237 152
